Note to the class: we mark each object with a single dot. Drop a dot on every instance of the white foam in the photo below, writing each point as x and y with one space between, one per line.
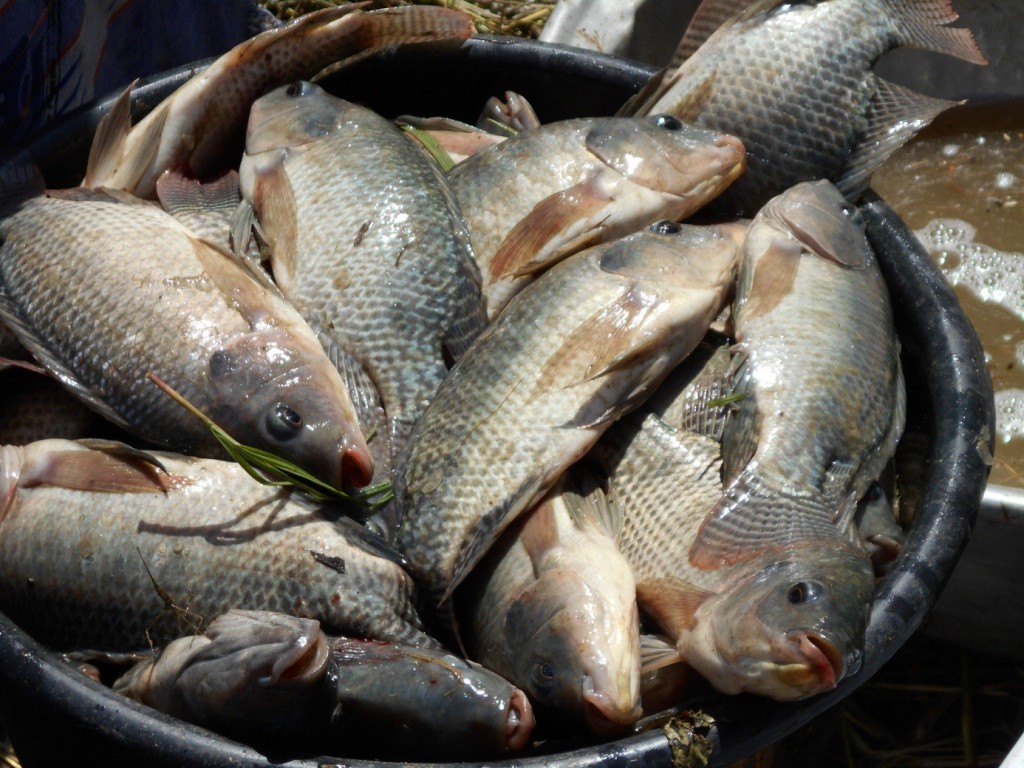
994 276
1009 414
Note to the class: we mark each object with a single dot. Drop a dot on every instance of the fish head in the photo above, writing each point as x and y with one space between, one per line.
290 116
682 255
257 662
823 221
793 628
575 652
664 154
277 390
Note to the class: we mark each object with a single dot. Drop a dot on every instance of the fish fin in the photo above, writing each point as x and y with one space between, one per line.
509 117
671 602
920 25
752 518
150 131
589 507
239 281
208 209
689 106
632 106
362 391
895 115
607 341
122 450
489 527
773 277
518 254
111 131
539 532
404 25
100 470
709 17
272 191
11 316
706 402
657 652
369 541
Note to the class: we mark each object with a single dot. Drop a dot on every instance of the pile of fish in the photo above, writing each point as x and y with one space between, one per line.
620 447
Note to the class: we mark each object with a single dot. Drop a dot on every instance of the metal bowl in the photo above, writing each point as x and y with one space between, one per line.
53 714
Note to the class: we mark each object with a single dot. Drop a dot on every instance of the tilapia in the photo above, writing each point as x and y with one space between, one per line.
552 608
740 530
585 343
273 679
104 289
794 81
786 622
196 131
366 240
103 547
537 197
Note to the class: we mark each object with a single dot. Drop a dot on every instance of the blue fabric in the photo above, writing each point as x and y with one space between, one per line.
58 54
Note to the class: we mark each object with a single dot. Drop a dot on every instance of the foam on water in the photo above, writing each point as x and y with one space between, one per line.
994 276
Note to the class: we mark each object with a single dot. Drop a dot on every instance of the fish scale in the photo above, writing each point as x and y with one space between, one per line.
105 289
372 247
794 82
214 540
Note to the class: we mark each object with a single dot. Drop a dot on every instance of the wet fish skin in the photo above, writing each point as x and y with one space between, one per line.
552 607
101 313
366 240
83 528
254 675
586 342
272 679
816 354
193 130
551 191
787 622
794 82
423 703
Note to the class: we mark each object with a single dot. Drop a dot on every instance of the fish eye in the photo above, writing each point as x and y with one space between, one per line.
544 674
875 493
804 592
283 422
666 227
299 88
668 122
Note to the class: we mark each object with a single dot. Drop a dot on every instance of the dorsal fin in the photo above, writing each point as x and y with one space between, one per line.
920 25
588 505
113 127
706 20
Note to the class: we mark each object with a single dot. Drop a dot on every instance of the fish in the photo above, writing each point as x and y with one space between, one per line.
417 703
552 608
101 313
739 524
272 679
794 82
104 547
194 130
787 622
35 407
585 343
366 240
548 192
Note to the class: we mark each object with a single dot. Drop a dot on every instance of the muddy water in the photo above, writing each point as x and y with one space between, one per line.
960 186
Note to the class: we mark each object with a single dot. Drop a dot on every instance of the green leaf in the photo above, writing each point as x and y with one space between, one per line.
726 400
270 469
439 153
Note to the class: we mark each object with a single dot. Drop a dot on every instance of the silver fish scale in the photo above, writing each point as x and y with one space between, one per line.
73 563
798 119
112 311
383 258
831 347
526 402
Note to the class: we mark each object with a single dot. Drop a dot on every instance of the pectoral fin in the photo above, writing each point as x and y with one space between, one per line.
99 470
541 238
672 603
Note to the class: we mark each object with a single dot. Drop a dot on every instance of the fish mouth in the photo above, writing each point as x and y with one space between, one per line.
519 721
603 715
308 665
821 658
356 468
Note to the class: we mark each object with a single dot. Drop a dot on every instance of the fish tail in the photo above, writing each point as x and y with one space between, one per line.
920 24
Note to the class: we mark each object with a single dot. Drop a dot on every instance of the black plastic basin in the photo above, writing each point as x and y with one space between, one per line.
56 716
